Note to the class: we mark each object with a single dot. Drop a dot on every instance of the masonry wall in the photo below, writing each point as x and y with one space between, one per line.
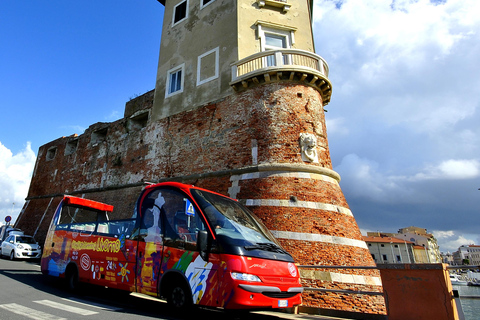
245 146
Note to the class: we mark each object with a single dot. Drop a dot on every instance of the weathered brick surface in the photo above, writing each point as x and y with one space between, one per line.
285 188
308 221
212 147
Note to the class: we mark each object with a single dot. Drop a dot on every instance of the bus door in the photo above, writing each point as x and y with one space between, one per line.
150 242
180 223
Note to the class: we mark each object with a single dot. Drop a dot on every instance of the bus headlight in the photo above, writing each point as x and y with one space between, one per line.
245 277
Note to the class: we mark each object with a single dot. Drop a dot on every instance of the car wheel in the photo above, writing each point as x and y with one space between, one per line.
12 255
71 279
179 297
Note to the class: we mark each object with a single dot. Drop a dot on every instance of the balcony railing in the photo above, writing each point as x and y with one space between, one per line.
285 64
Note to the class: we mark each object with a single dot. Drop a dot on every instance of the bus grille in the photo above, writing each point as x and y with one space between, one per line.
280 295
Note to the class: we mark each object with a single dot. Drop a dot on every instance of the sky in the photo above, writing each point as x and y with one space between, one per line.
403 124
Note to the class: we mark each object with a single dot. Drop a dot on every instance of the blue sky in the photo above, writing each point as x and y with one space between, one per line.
403 123
68 64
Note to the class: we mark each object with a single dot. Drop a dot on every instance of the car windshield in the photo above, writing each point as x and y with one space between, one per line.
233 221
28 240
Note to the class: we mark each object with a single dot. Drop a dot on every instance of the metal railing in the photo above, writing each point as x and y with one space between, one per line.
463 267
277 60
372 293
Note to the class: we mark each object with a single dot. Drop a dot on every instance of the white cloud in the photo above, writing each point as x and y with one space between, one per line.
15 174
364 179
451 170
449 240
114 115
403 121
337 126
407 63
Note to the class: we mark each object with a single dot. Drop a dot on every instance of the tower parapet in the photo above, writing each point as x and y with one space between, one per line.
291 65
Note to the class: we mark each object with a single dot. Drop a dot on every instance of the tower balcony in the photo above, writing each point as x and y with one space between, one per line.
282 65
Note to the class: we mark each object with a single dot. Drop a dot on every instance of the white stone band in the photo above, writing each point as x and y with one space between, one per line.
319 238
285 174
340 277
298 204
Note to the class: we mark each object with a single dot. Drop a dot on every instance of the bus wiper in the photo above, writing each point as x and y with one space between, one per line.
266 246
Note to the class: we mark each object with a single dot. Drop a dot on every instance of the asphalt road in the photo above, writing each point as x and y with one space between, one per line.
26 294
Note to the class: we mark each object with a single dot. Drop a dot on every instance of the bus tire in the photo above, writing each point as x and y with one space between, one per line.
71 278
178 295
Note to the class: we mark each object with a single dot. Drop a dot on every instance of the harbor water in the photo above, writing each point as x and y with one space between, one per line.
470 306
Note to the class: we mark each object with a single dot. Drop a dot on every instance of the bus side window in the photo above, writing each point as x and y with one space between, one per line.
116 228
103 228
181 221
86 226
151 213
121 227
66 217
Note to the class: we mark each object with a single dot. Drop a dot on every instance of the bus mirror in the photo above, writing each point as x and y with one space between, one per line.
202 244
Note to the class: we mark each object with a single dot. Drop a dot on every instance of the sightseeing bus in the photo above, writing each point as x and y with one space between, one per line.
182 243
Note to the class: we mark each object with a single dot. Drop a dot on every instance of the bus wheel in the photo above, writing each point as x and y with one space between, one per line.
179 296
71 278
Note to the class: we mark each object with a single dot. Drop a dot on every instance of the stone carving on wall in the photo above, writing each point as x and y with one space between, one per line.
308 145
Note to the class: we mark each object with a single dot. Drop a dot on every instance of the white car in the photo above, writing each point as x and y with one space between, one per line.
20 247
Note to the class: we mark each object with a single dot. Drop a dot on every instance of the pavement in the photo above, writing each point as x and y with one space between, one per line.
291 316
256 315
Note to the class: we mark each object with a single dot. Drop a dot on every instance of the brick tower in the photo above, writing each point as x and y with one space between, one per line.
255 61
237 108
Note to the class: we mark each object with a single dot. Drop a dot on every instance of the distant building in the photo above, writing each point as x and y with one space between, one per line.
467 255
421 254
474 251
424 245
447 258
390 250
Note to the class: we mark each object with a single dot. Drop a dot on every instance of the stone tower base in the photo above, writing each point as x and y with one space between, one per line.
249 146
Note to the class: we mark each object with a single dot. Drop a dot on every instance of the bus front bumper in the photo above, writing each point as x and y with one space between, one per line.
264 297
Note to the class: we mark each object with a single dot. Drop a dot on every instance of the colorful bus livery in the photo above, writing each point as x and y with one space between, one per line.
185 244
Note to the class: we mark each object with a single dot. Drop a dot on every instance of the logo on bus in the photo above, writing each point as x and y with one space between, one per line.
102 245
85 262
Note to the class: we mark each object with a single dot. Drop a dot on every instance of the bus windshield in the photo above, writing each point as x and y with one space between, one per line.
234 223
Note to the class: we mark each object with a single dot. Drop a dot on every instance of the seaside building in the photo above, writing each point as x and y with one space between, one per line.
467 255
390 250
447 258
426 240
424 245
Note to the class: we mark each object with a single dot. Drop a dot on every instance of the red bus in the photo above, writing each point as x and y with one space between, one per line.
182 243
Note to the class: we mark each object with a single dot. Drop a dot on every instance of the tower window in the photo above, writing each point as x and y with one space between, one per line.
180 12
71 146
175 81
274 41
98 136
51 153
207 66
204 3
274 37
138 121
